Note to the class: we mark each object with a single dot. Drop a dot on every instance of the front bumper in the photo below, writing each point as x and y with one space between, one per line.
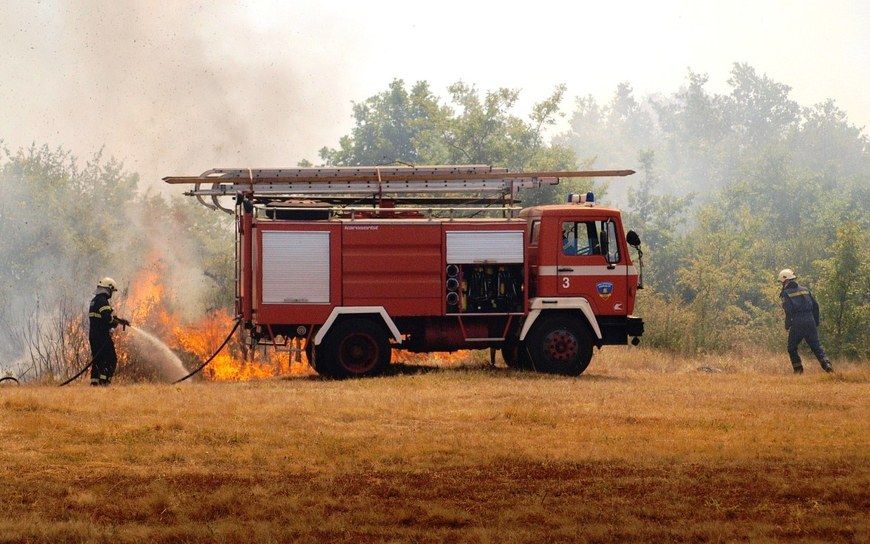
634 325
616 330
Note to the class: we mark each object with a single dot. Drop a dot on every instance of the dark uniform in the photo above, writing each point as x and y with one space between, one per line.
801 322
103 356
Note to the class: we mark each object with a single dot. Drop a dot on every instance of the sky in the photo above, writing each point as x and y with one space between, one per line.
179 87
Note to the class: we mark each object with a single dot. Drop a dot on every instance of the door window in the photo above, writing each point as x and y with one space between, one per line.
582 237
612 249
535 233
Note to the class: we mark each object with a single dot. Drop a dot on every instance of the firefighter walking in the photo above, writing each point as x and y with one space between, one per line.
801 321
102 320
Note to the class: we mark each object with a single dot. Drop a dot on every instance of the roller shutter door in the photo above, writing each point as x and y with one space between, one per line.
469 247
295 267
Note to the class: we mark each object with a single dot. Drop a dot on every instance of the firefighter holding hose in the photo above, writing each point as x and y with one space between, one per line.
801 321
102 320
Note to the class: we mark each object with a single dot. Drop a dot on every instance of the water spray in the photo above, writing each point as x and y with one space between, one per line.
166 361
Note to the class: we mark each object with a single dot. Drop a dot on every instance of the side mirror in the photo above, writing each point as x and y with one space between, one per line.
633 239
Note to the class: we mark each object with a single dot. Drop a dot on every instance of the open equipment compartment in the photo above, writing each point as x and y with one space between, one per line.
484 272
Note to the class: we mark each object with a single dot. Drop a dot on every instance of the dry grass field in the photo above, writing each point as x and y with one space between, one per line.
641 447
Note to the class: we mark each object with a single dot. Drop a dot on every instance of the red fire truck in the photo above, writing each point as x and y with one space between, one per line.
358 261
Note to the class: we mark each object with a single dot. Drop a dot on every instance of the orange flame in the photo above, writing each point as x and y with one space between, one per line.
150 305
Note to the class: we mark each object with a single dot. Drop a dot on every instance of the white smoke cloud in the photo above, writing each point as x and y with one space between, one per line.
171 87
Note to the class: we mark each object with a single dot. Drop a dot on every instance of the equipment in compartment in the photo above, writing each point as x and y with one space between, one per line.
489 288
454 282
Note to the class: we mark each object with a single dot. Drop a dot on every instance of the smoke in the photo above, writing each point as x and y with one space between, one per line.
167 88
171 87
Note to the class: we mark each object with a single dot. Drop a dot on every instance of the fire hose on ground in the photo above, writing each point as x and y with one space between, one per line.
189 375
213 355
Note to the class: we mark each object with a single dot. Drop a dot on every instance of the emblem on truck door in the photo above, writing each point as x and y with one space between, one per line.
605 289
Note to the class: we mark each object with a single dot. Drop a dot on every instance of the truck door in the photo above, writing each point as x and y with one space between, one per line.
590 264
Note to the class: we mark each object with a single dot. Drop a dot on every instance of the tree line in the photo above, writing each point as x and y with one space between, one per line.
730 188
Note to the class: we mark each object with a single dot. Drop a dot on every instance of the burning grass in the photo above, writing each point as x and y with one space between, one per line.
155 308
641 447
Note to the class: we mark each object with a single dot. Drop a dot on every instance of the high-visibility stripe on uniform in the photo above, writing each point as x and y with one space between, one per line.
104 308
92 314
802 292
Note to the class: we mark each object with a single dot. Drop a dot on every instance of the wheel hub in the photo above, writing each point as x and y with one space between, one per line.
561 346
358 353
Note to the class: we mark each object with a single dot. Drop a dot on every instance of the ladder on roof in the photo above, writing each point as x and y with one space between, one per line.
478 184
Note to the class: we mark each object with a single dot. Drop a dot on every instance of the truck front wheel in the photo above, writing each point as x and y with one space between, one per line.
354 348
560 345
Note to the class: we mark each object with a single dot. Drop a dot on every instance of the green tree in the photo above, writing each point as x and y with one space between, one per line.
417 127
658 218
760 112
614 134
392 126
844 293
724 284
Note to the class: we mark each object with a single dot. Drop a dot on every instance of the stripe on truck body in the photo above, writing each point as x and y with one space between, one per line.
588 270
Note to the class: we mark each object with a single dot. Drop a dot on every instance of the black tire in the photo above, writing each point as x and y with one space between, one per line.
515 355
354 348
560 345
309 353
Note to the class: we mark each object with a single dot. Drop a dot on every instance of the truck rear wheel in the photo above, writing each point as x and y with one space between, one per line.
313 361
560 345
354 348
515 355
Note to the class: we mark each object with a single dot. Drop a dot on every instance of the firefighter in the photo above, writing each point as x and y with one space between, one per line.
102 320
801 321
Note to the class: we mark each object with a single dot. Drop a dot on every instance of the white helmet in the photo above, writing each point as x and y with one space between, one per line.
108 283
786 275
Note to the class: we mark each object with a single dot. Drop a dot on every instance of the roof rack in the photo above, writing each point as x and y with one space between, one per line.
479 184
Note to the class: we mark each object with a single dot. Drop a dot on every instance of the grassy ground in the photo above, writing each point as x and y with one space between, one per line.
641 447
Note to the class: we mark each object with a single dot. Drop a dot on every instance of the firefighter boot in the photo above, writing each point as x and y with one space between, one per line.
796 362
812 338
95 382
794 357
104 380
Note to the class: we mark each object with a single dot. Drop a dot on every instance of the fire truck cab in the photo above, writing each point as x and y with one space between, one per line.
411 271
